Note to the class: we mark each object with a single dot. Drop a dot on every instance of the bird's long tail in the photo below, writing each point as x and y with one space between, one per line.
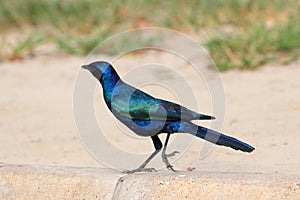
216 137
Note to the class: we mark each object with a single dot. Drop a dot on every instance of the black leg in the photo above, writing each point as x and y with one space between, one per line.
158 145
165 156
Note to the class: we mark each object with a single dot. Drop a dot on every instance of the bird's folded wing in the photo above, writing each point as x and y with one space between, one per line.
140 106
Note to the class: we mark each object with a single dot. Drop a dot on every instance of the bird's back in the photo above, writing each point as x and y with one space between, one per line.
133 103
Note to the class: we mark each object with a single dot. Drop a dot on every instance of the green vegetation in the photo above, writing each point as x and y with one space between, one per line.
243 33
256 46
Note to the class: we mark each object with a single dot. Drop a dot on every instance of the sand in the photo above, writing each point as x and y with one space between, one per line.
262 107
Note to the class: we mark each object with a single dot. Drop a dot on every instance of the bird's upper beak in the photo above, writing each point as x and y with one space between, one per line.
84 66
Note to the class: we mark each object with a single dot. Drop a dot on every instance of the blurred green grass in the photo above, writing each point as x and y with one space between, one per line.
244 34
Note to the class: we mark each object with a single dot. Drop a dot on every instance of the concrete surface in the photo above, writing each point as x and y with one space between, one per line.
46 182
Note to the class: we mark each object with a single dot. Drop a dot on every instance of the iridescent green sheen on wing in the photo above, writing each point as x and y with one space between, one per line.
134 103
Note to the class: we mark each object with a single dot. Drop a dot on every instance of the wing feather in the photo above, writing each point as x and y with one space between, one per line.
136 104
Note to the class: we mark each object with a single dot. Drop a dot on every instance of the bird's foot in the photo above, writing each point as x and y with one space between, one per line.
166 161
140 169
170 167
170 154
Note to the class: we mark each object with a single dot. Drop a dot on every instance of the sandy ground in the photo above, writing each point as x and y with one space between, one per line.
37 124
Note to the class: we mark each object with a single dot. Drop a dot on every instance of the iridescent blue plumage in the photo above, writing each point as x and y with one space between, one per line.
149 116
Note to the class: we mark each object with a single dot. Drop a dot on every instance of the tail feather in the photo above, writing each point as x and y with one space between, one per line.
216 137
205 117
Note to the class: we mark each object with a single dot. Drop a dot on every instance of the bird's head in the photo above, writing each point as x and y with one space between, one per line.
97 68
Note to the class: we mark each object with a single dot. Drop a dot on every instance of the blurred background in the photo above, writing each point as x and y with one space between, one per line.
240 33
254 43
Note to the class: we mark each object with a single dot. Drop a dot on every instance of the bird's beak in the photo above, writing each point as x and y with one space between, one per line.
84 66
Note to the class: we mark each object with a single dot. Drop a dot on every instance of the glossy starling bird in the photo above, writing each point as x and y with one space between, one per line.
148 116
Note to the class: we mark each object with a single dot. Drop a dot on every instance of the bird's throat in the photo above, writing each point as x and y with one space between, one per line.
109 80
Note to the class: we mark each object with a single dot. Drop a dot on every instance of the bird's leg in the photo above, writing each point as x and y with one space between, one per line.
142 167
165 156
158 145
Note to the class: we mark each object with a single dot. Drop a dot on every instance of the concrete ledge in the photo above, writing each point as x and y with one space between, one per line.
198 185
44 182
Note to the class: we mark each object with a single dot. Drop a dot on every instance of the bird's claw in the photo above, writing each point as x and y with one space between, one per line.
165 160
170 167
140 170
170 154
